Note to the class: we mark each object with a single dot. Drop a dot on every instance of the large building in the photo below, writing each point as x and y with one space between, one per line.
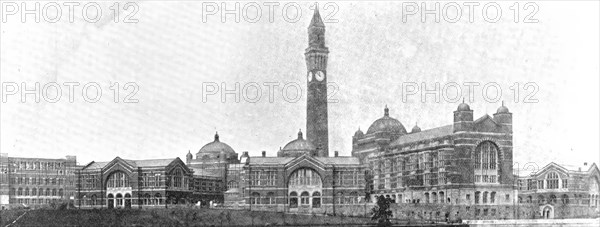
36 182
122 183
460 170
302 177
560 191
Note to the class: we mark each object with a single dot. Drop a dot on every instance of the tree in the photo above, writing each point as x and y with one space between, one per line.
381 212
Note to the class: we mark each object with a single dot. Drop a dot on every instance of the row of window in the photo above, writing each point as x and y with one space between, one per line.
415 161
305 199
261 177
592 200
36 192
38 181
32 201
33 165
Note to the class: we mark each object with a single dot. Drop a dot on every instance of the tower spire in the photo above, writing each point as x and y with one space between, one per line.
316 20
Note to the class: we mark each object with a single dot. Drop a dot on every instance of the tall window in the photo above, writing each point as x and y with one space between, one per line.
486 163
118 180
552 180
177 178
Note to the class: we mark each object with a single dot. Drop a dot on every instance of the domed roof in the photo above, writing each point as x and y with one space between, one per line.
415 129
463 107
502 109
359 133
298 146
215 147
387 124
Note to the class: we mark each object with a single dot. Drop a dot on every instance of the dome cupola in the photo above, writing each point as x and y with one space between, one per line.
502 109
415 129
298 147
387 124
215 148
359 133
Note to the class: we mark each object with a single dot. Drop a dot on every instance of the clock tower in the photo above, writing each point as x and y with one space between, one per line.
316 108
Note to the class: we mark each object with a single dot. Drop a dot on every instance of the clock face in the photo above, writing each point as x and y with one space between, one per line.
310 76
320 75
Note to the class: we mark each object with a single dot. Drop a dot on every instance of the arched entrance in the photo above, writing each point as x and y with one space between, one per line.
305 190
118 190
548 212
111 201
127 200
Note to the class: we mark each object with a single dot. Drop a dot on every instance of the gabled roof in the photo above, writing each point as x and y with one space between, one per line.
565 168
132 163
339 160
424 135
483 118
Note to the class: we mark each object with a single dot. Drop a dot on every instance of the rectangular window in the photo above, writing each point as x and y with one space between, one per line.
564 183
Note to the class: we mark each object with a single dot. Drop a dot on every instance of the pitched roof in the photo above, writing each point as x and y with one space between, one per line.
134 163
339 160
270 160
151 162
423 135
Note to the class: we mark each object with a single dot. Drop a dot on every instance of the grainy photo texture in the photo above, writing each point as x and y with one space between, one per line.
327 113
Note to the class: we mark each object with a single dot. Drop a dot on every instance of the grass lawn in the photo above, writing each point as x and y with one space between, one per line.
170 217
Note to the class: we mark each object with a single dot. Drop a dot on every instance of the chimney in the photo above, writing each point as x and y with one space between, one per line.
264 153
585 164
335 153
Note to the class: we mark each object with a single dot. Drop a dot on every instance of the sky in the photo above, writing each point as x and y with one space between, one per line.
168 62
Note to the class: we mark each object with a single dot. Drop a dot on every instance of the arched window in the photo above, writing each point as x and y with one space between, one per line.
305 177
48 192
565 199
118 180
93 200
232 184
304 198
340 197
157 199
54 192
485 197
486 163
270 198
434 197
20 191
26 191
34 192
60 192
316 200
255 198
442 197
541 199
493 197
552 198
293 200
354 197
552 180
